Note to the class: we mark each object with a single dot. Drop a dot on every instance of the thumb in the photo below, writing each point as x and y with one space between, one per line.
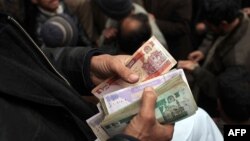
123 72
148 104
127 75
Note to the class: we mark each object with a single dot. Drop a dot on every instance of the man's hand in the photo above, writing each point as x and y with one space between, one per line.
105 66
188 65
196 56
144 125
110 32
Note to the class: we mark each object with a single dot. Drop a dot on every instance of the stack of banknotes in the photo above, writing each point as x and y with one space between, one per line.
120 101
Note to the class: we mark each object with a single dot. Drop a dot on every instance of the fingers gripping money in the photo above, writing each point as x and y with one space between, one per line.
120 101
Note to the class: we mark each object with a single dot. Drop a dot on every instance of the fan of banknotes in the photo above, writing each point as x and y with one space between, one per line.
120 101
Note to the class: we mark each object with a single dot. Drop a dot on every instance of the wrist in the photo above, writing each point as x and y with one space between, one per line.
87 69
96 62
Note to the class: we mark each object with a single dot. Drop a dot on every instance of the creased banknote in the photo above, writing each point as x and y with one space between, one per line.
149 61
175 102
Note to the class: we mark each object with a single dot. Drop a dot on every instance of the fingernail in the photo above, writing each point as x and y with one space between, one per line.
133 77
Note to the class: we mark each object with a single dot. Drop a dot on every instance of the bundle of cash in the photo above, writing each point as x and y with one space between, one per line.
116 100
120 101
149 61
174 102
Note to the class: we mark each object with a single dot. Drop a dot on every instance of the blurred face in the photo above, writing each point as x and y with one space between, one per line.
50 5
129 24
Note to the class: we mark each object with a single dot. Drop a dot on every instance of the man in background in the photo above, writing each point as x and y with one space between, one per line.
230 47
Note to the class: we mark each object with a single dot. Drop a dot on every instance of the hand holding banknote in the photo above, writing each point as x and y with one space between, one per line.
105 66
149 61
144 125
123 108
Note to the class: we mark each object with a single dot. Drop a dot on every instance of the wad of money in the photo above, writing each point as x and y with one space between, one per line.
116 100
175 102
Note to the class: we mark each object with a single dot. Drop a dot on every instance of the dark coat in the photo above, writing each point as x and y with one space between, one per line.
173 18
36 101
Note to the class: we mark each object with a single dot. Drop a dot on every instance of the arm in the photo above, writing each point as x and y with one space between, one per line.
84 67
74 64
203 50
207 43
143 126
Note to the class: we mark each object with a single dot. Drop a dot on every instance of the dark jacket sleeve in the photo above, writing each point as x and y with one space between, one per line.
74 64
207 43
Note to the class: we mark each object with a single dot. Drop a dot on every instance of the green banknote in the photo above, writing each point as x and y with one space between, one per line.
175 102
